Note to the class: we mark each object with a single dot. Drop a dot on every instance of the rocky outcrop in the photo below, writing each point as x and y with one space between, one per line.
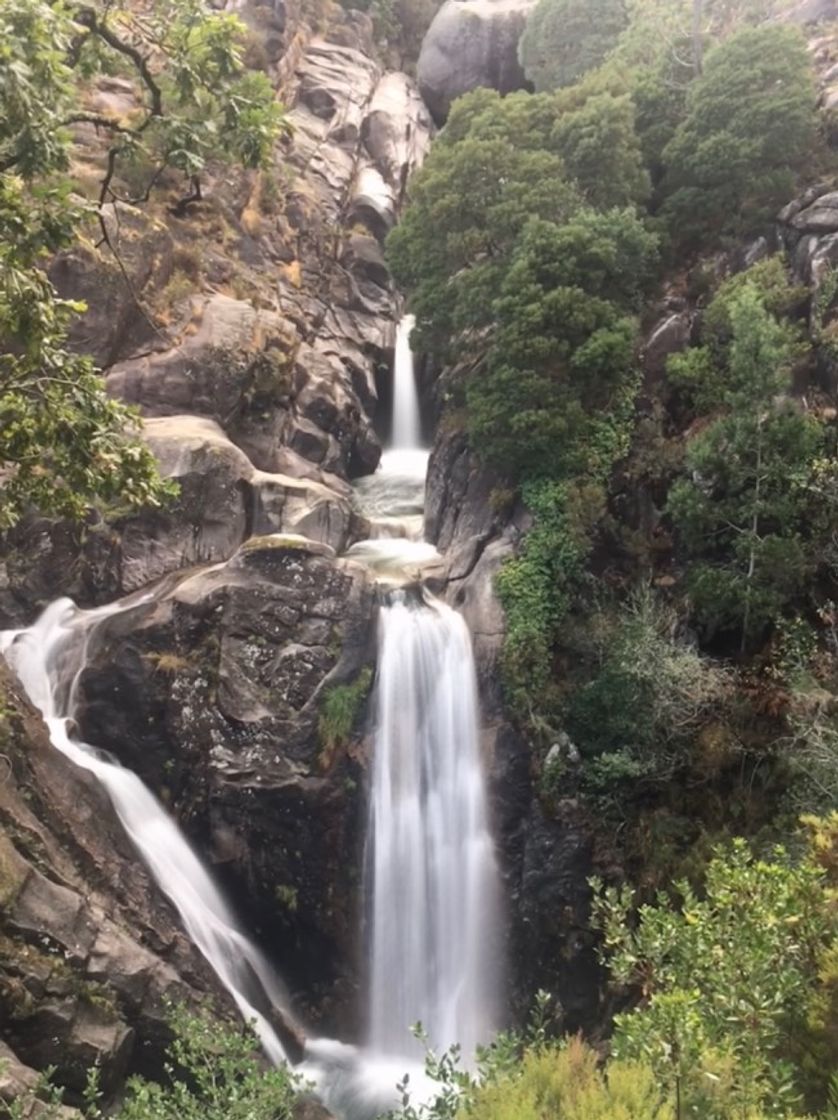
216 693
88 950
471 43
252 333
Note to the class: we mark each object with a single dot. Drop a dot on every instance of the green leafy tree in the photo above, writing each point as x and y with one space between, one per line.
63 443
558 390
601 151
724 978
490 172
564 39
744 512
748 129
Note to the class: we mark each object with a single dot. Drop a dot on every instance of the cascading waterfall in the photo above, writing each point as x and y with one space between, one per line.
433 872
48 658
407 427
432 876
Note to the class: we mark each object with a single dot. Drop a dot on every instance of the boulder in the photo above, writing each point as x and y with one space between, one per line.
471 43
214 693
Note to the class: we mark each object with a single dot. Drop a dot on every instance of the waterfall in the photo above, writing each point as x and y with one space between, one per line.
433 874
48 658
407 428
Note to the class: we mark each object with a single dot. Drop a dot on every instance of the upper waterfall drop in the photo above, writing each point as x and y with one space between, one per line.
407 423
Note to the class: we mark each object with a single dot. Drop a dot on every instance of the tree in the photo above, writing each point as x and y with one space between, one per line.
749 127
601 151
744 510
558 390
724 977
564 39
63 443
488 174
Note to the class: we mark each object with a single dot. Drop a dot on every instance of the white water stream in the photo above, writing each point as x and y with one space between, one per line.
433 873
48 658
407 425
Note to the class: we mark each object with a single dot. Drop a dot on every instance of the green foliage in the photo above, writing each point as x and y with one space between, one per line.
725 978
647 699
489 173
212 1073
400 26
599 144
557 395
744 511
808 670
566 1081
564 39
63 443
749 127
340 710
534 589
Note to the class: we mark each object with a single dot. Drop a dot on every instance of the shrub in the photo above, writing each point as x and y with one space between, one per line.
724 977
749 128
649 696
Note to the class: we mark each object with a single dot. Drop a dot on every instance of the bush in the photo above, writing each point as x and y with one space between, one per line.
749 128
649 697
725 977
213 1072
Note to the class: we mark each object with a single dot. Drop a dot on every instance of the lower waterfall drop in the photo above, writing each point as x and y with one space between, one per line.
432 867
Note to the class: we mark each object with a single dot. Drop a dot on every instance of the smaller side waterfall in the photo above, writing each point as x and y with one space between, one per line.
407 425
432 862
48 659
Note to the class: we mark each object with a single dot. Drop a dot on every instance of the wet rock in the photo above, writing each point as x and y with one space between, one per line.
215 694
669 336
552 908
471 43
89 951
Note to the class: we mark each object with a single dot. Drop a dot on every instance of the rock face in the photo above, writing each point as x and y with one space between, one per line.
215 694
471 43
88 950
266 317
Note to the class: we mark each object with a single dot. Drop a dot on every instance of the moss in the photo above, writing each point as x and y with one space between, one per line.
12 873
339 713
287 897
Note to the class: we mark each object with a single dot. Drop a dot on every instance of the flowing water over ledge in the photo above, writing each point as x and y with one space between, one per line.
431 877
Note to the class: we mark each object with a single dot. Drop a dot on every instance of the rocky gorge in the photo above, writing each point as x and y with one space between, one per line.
263 385
255 335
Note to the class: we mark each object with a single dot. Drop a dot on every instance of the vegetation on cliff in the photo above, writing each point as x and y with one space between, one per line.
549 268
670 610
